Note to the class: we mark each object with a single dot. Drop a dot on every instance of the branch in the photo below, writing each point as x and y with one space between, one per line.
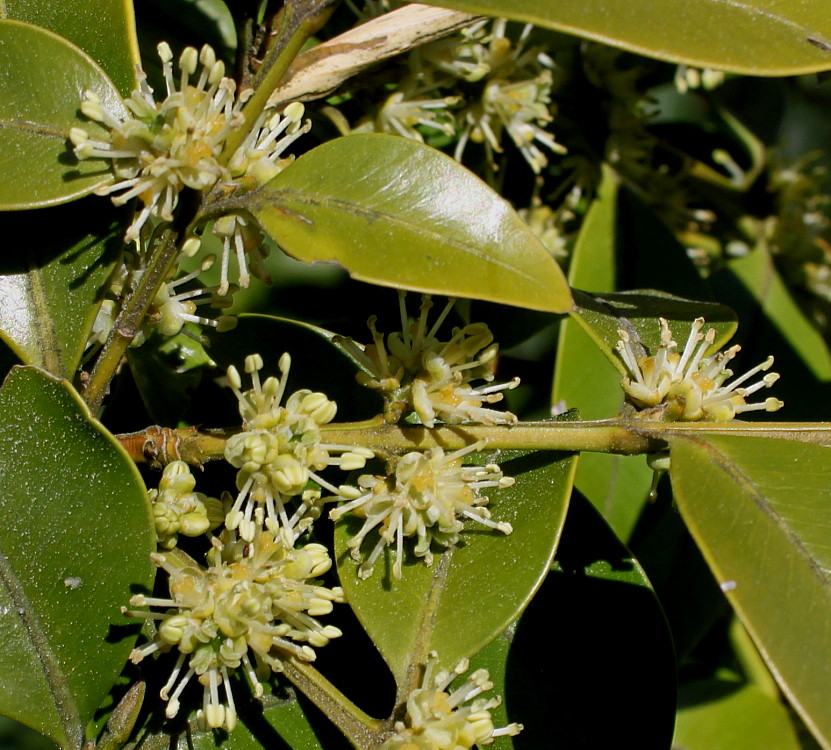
161 445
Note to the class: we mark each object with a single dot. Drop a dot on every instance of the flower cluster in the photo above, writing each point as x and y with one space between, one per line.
258 597
428 379
475 86
158 149
427 495
516 92
438 719
177 509
280 450
688 386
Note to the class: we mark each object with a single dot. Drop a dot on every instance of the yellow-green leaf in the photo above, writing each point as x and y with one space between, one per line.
760 510
758 37
723 715
401 214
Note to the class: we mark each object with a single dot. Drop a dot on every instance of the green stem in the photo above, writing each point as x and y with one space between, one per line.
294 24
361 729
620 436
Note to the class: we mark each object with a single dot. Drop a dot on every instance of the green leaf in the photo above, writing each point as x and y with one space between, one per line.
637 312
81 22
762 37
589 664
51 280
759 510
759 277
398 213
42 81
724 715
280 725
75 542
472 592
166 371
585 379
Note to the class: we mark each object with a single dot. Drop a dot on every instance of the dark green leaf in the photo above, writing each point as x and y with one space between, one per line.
82 23
165 372
42 81
763 37
399 213
590 663
73 504
52 277
760 509
282 725
472 592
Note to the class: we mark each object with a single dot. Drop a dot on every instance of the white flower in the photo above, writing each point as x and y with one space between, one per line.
160 148
438 719
280 451
419 374
166 146
427 496
257 598
688 386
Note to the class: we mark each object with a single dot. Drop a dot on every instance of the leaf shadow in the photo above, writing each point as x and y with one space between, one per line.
588 641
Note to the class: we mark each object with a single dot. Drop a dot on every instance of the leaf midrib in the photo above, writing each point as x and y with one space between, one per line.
347 206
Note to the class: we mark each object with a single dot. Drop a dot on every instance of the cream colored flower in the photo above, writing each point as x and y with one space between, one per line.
420 375
688 386
258 597
440 719
280 451
428 495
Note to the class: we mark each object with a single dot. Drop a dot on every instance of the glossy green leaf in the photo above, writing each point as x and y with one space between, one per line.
42 81
398 213
723 715
589 664
316 363
761 37
82 22
583 376
760 510
602 316
66 488
52 276
472 592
